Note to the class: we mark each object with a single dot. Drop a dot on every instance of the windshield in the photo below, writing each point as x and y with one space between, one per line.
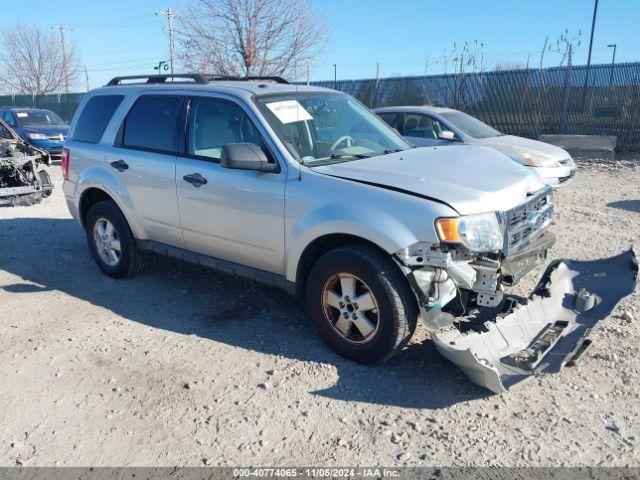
470 125
38 117
319 128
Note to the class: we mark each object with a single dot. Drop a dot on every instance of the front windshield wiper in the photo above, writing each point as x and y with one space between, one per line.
393 150
334 156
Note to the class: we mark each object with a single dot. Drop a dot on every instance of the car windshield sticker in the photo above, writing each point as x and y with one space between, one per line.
22 114
289 111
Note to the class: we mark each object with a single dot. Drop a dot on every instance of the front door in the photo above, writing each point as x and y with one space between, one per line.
233 215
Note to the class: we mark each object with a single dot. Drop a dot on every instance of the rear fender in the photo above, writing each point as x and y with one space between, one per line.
97 176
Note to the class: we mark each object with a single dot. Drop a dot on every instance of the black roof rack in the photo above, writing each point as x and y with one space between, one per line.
229 78
194 77
198 78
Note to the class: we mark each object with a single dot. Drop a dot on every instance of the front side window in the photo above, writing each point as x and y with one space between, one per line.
32 118
151 124
470 125
215 123
319 128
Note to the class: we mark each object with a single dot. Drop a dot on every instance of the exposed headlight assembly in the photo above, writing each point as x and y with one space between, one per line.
479 233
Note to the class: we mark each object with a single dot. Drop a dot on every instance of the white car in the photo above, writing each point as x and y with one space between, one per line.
433 126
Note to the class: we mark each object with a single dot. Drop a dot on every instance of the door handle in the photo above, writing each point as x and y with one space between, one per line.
195 179
120 165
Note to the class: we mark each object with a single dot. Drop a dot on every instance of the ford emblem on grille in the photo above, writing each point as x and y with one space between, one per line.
535 219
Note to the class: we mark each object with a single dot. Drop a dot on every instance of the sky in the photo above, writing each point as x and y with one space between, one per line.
405 37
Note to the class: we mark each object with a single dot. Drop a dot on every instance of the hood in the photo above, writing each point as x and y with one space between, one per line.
46 129
511 145
469 179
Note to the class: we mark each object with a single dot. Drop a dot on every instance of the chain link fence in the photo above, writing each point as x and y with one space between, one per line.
528 102
64 104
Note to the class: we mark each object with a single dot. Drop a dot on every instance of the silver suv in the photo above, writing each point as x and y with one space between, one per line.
304 188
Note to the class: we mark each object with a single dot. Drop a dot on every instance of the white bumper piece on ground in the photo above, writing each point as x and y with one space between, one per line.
549 331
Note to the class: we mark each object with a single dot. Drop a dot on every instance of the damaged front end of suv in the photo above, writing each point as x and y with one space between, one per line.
21 183
511 339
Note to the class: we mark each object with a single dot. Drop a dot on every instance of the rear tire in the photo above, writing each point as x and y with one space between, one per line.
106 227
390 310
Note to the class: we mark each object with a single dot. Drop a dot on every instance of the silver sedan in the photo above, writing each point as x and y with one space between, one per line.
434 126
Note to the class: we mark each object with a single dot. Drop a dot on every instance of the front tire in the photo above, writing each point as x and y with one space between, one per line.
361 304
111 242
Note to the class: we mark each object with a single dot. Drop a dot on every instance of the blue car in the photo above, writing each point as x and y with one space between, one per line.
41 128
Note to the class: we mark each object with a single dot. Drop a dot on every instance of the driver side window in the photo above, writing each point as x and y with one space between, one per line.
215 123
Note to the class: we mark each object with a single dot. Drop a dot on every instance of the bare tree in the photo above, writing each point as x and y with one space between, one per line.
33 61
250 37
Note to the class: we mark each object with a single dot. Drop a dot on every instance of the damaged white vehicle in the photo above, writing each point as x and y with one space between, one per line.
21 183
305 189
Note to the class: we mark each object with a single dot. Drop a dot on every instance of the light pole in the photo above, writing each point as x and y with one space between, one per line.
586 73
162 65
613 61
335 76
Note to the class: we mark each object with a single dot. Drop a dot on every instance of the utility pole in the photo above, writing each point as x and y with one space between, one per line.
586 73
613 61
307 74
65 63
86 77
170 14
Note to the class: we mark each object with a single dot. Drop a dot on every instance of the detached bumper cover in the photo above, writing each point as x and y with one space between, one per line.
550 330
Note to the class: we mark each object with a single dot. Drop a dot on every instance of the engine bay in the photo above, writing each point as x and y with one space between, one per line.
21 181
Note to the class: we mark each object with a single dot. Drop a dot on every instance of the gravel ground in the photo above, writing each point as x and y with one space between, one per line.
183 366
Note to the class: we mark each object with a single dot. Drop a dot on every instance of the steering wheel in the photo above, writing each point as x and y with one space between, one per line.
348 141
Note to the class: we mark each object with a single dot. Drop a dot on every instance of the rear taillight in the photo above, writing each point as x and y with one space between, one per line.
65 163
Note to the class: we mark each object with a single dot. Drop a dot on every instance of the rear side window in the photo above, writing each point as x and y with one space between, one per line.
389 118
151 124
95 117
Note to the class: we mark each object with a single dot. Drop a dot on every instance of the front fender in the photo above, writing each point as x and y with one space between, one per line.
358 219
96 176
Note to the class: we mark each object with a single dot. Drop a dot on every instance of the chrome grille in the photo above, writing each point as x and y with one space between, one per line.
528 221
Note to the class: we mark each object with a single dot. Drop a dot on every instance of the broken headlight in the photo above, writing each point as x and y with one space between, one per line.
479 233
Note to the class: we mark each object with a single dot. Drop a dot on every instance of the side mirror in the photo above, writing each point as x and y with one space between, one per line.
246 156
447 135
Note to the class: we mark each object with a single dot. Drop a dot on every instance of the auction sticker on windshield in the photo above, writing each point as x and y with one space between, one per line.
289 111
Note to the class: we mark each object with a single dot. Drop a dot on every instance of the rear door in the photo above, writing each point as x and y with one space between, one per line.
237 215
145 162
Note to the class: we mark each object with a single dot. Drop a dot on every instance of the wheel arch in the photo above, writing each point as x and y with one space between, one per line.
94 194
320 246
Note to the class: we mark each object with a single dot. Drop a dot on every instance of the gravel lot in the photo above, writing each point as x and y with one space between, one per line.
183 366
